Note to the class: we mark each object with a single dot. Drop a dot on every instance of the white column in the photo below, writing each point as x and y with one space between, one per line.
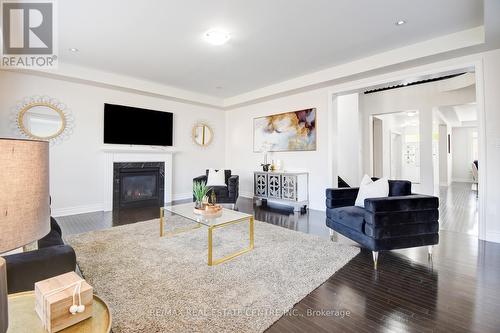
426 161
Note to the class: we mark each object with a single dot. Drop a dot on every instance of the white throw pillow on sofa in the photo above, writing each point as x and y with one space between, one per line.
371 189
216 178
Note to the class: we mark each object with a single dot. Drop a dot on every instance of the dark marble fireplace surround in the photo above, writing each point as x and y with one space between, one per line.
138 184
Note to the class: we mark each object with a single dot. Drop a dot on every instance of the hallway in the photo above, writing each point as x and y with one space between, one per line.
458 208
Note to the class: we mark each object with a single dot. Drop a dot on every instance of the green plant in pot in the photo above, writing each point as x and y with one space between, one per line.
200 190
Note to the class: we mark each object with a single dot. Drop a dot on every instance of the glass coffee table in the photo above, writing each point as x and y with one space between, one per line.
225 218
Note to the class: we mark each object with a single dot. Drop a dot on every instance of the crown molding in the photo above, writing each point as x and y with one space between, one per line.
446 43
80 74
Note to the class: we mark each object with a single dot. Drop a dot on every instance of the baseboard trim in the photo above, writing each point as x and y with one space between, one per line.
246 194
249 195
182 196
492 237
75 210
57 212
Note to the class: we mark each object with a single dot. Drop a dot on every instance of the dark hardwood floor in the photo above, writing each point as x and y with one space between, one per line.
458 291
458 208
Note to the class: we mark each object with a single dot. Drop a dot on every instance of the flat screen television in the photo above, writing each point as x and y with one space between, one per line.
136 126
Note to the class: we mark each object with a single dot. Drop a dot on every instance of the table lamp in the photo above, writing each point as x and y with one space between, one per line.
24 202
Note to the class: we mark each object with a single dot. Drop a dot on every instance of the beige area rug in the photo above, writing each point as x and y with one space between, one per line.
155 284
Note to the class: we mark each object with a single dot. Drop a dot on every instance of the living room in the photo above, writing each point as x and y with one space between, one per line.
322 149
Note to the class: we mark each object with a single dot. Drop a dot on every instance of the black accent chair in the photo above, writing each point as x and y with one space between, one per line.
224 194
52 258
401 220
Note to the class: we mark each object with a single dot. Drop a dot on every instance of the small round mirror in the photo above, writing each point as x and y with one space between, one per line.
41 121
202 135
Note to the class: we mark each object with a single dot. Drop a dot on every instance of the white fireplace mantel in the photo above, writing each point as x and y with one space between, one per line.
118 153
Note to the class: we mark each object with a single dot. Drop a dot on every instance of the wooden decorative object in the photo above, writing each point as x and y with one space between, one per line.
209 211
54 297
23 317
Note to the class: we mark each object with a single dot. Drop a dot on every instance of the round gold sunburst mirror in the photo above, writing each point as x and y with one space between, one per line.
43 118
203 135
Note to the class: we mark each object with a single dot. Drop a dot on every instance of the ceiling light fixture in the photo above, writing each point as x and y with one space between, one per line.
400 22
73 49
217 37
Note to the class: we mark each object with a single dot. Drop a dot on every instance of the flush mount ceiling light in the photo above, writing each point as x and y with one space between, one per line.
73 49
400 22
216 36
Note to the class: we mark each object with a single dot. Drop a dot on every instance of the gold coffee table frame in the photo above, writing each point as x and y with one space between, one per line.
211 228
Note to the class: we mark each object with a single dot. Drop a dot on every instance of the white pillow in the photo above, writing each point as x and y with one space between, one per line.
216 178
371 189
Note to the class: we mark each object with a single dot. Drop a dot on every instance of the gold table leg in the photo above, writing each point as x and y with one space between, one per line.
175 231
211 261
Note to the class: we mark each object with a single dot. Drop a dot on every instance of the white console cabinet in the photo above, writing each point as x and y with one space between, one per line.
289 188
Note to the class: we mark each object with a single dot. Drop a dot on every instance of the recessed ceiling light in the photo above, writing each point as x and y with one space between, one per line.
73 49
216 36
400 22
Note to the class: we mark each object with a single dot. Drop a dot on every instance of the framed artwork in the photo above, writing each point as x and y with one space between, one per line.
290 131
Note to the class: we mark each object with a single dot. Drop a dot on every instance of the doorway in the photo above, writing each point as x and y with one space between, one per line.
396 146
430 150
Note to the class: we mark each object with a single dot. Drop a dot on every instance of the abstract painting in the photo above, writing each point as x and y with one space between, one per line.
290 131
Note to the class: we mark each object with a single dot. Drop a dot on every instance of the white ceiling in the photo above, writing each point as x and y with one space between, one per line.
459 115
466 112
272 40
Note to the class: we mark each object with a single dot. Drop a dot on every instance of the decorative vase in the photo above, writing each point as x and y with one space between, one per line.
265 167
198 204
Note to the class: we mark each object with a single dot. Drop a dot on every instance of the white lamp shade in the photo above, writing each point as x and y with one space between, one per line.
24 192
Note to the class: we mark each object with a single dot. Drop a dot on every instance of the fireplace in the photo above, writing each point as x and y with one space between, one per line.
138 184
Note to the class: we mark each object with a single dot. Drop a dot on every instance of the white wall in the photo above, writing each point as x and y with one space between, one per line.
349 139
242 159
461 145
77 170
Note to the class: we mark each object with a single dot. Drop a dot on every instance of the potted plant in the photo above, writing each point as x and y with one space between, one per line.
200 190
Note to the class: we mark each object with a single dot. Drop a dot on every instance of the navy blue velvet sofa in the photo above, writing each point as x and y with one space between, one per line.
401 220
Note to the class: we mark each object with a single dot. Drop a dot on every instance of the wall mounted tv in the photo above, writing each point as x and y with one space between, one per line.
136 126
